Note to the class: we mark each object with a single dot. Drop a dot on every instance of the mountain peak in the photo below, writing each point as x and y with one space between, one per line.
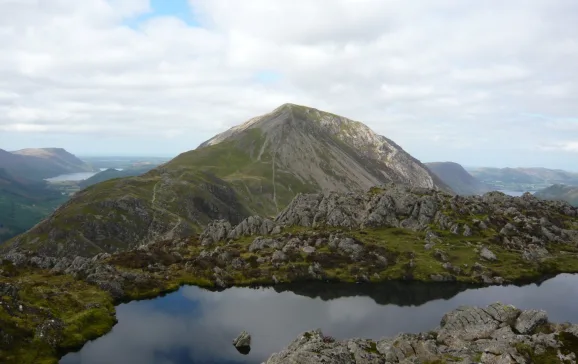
255 168
304 139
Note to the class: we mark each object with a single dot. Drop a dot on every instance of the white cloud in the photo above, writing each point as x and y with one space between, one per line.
458 70
568 146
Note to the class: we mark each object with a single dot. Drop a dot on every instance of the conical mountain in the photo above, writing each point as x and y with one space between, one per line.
255 168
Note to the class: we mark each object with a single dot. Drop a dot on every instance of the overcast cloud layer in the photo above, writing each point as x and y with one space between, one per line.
477 82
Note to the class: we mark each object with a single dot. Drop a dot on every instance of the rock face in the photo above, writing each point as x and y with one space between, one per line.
455 176
518 221
243 343
243 340
493 334
253 169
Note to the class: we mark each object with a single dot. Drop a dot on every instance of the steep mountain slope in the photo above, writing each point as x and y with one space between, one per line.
255 168
455 176
24 203
40 163
560 192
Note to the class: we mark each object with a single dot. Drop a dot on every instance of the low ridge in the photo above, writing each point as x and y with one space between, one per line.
455 176
255 168
41 163
560 192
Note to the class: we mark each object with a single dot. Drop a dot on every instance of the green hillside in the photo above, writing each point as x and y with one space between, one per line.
24 203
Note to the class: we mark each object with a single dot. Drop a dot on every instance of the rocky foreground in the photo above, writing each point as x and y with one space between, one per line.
52 304
497 334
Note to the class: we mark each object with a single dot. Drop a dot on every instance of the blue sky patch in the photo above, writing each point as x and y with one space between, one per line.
177 8
267 76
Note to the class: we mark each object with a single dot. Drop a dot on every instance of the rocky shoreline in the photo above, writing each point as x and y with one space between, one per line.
496 334
390 233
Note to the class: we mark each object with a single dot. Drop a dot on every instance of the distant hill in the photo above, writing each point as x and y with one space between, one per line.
114 173
523 179
455 176
41 163
24 203
257 167
560 192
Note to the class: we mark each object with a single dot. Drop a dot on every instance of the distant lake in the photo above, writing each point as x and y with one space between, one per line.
193 325
79 176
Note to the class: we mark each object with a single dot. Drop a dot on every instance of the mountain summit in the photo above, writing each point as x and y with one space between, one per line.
329 150
255 168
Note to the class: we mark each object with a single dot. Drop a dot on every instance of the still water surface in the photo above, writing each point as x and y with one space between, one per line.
194 325
78 176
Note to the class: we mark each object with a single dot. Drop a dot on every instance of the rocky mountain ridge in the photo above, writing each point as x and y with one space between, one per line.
388 233
497 333
254 169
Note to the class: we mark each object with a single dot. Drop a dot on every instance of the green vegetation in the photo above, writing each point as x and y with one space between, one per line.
42 314
549 356
86 312
18 214
406 258
24 203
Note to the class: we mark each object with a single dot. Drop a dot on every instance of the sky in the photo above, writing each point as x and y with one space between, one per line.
481 83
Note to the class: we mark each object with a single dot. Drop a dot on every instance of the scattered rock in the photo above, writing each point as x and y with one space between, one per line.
243 342
488 254
261 243
279 256
440 255
535 253
308 249
509 230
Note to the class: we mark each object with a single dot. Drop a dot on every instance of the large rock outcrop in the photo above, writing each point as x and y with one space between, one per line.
496 334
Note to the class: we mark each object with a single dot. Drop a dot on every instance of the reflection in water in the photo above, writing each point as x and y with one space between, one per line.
197 326
398 293
244 349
